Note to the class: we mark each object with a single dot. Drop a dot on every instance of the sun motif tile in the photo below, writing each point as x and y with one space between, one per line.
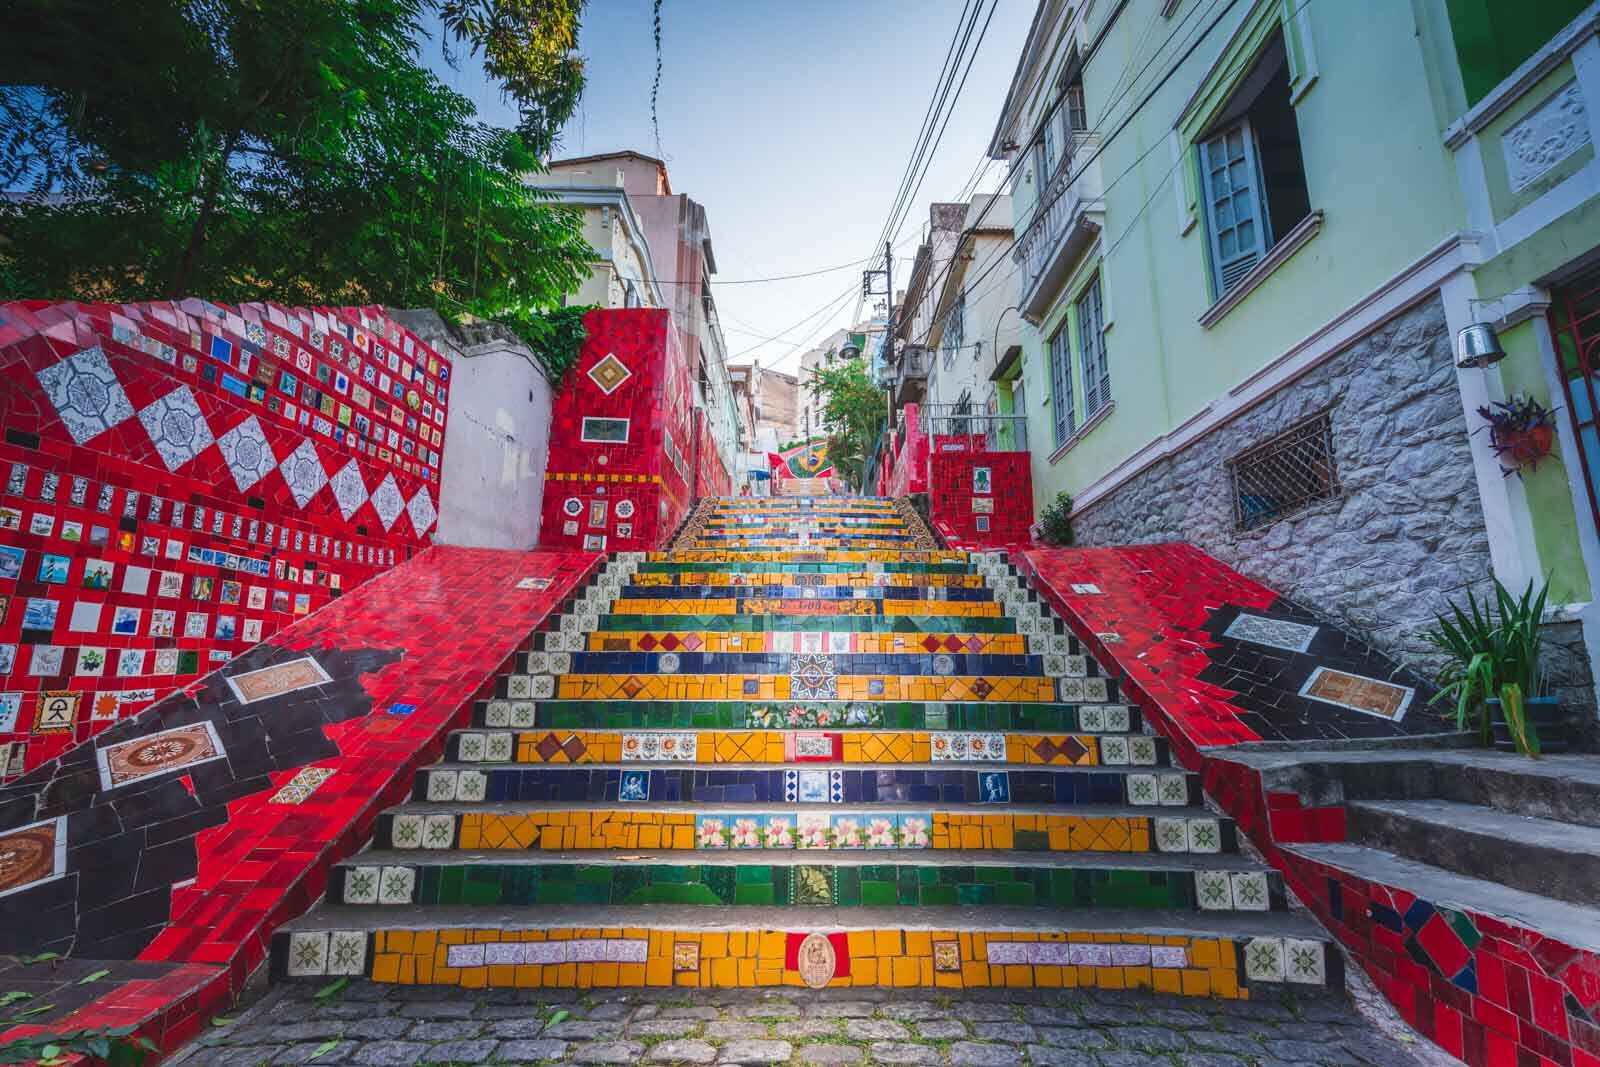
1249 891
1264 959
441 786
308 953
361 885
396 884
1304 961
347 952
1213 890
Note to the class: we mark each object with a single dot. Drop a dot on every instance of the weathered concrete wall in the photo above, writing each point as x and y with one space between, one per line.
1405 535
497 437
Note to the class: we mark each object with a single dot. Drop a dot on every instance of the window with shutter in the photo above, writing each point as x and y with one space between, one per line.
1092 343
1061 398
1233 204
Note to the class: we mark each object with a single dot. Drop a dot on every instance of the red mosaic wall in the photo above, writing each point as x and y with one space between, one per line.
183 480
418 645
905 461
1489 992
626 487
712 478
980 500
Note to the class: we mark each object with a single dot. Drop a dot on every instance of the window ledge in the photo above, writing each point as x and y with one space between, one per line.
1292 242
1082 431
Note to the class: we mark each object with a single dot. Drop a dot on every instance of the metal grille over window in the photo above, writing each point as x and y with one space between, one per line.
1092 340
1284 474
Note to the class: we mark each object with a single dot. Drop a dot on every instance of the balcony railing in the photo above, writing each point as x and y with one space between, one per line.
957 428
1061 228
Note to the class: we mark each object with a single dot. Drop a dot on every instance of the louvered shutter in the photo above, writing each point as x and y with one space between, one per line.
1234 208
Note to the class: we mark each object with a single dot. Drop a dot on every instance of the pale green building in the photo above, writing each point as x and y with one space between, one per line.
1247 234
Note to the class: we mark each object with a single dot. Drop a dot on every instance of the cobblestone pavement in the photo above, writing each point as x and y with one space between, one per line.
375 1025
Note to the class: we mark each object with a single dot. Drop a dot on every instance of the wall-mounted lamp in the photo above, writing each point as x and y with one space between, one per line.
1478 345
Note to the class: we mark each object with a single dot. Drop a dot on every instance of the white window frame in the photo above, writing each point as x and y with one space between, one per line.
1058 349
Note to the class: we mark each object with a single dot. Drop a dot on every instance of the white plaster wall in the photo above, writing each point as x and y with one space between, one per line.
496 439
496 449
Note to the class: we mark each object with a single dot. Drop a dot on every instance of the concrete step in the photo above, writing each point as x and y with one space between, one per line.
1575 925
907 783
1543 856
785 877
812 747
600 825
1198 953
1565 788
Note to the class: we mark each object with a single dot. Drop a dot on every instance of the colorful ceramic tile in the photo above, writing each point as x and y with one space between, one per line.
167 750
33 854
281 678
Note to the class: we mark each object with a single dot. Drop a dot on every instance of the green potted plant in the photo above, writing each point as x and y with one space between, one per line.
1493 673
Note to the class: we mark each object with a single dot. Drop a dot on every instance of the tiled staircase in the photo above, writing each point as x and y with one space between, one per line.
804 747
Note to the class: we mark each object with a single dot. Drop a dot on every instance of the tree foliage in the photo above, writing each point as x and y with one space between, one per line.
853 412
529 46
286 150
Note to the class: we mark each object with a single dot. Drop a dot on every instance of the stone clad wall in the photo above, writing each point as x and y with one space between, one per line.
1406 535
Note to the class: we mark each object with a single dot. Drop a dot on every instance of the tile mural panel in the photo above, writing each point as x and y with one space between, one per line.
185 479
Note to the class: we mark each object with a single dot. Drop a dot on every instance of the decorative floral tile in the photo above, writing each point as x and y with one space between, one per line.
361 885
396 884
1263 959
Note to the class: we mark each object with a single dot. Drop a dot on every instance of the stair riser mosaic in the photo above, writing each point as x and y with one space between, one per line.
1176 833
672 785
891 957
780 747
504 712
755 884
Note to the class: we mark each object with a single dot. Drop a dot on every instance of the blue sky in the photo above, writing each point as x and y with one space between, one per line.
791 123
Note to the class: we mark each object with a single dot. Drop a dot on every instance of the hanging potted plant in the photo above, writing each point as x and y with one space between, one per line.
1493 672
1521 431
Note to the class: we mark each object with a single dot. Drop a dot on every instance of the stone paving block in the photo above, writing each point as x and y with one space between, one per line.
581 1029
1148 1038
1069 1037
1314 1051
1223 1041
1209 1059
663 1028
749 1051
830 1054
515 1028
842 1009
1015 1033
974 1054
875 1030
941 1029
721 1031
448 1030
902 1052
1047 1016
703 1014
691 1051
390 1053
1181 1018
438 1009
608 1052
808 1028
1053 1056
912 1010
611 1011
476 1051
531 1051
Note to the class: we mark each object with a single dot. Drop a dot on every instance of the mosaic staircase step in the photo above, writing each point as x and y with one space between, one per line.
803 828
1555 859
816 669
784 566
912 626
1576 926
797 591
780 746
785 877
810 555
931 783
504 712
820 640
1219 954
